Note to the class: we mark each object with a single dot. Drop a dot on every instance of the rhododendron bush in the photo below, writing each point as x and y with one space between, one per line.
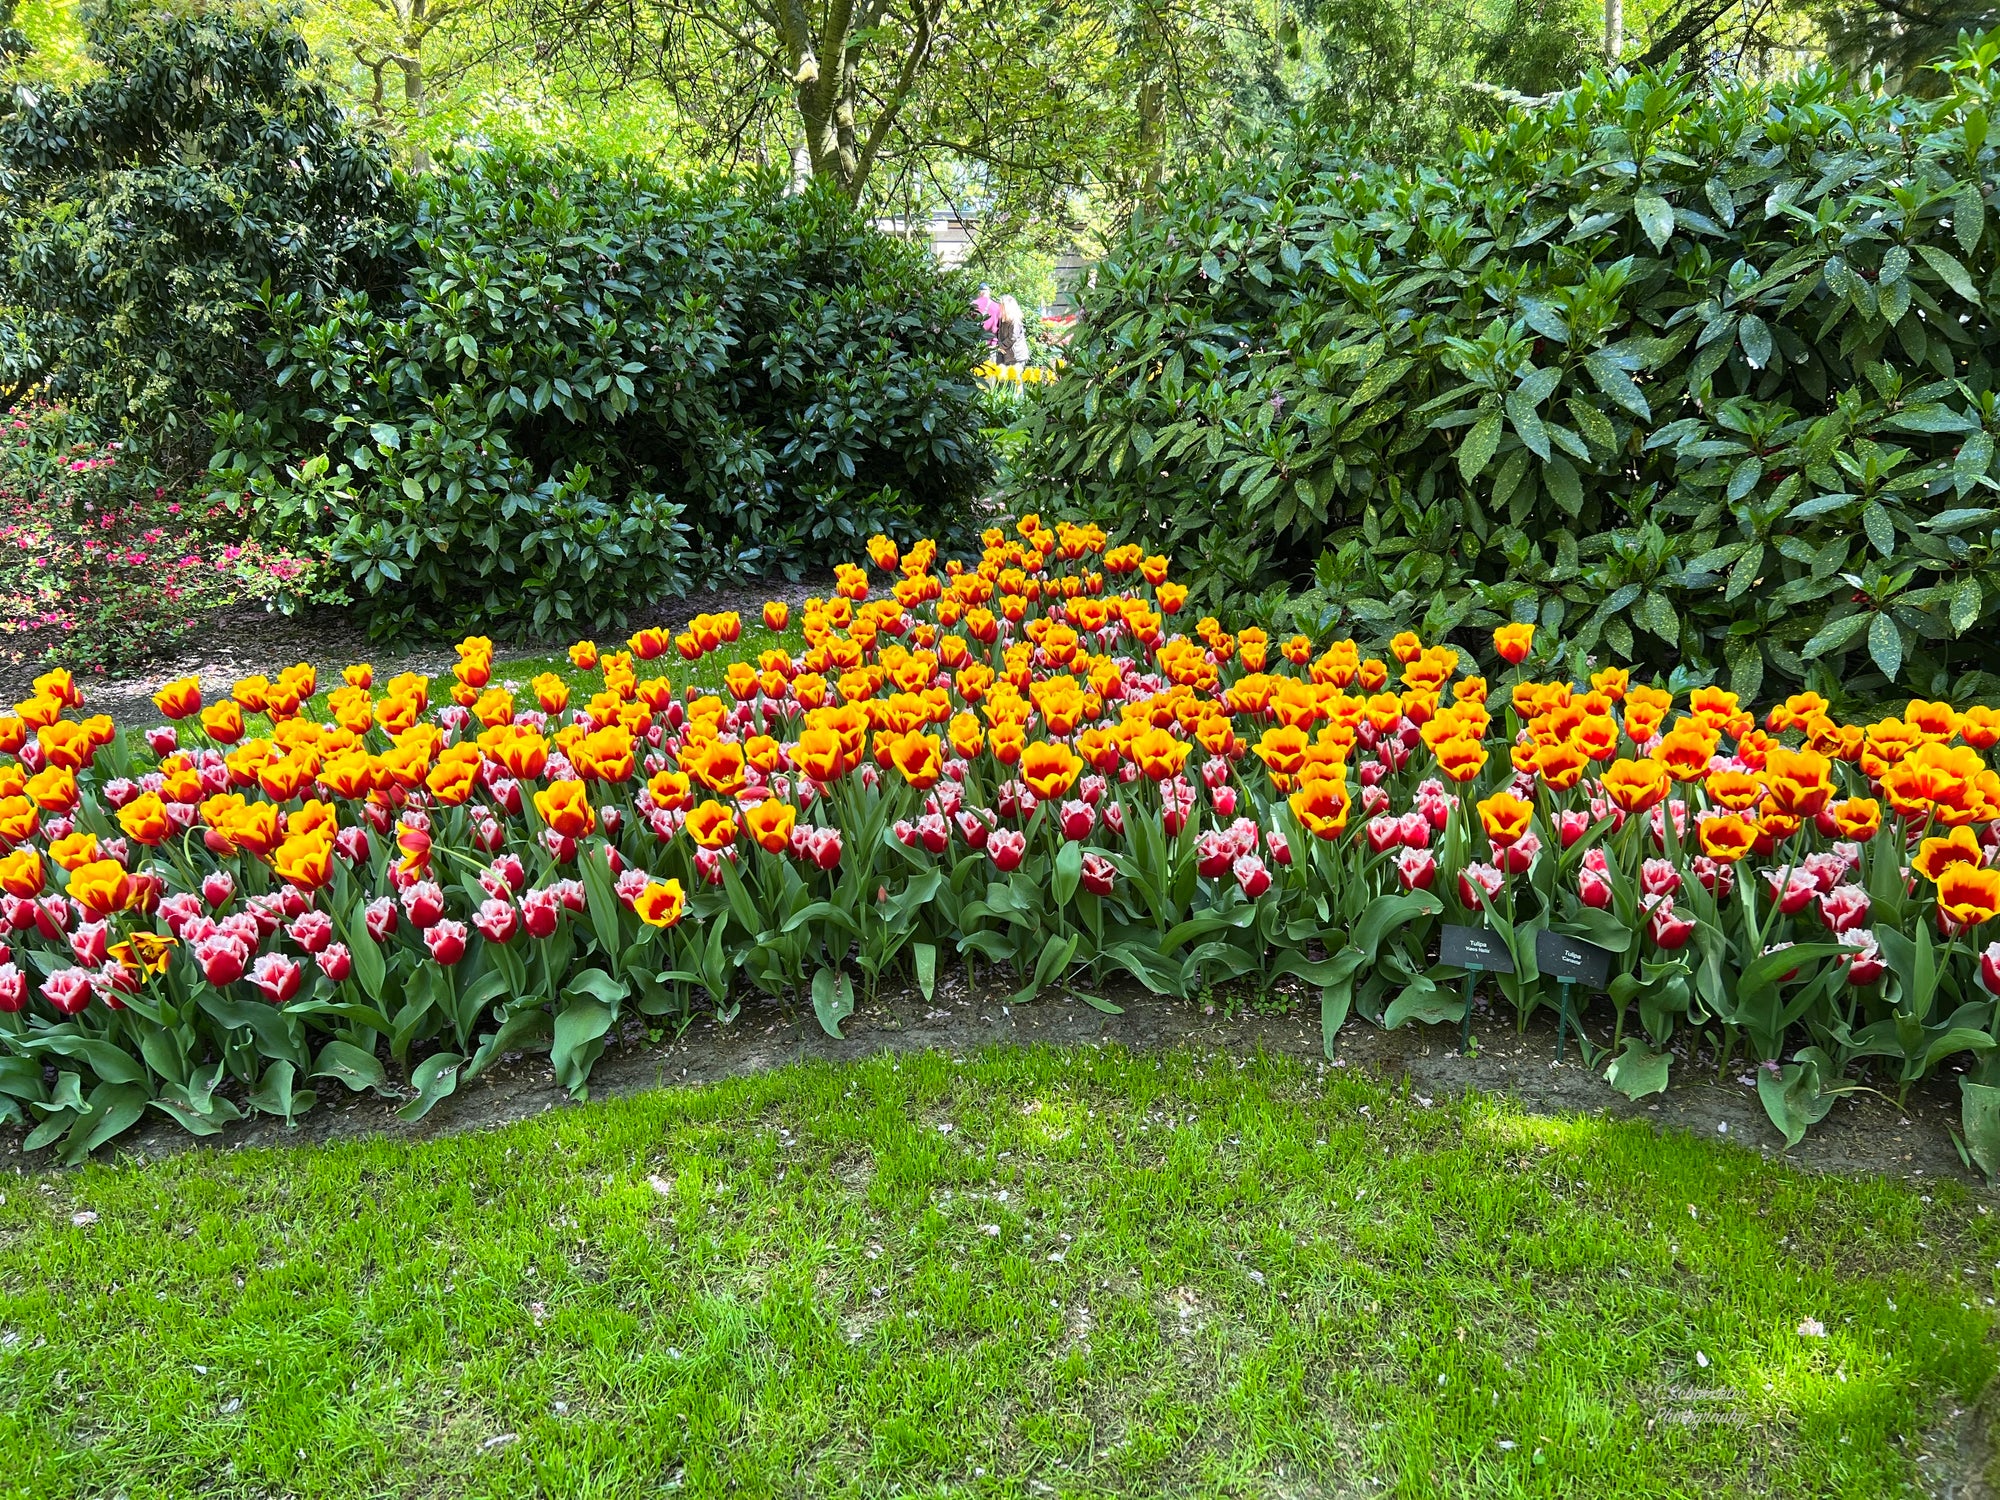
1696 371
1033 761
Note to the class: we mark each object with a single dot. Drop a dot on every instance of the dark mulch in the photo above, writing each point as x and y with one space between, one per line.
1865 1134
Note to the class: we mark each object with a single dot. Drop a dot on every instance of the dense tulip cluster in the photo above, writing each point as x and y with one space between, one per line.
1025 760
999 377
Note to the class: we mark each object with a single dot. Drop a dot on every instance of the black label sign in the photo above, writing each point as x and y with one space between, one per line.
1474 948
1559 955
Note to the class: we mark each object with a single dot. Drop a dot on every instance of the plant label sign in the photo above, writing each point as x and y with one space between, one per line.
1563 957
1474 948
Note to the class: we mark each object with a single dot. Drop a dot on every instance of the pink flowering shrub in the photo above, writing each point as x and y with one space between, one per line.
92 573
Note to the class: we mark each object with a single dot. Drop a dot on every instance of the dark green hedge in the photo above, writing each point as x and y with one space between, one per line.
522 393
593 377
1703 380
145 208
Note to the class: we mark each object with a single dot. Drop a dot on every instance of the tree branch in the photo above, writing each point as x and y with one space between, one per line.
906 81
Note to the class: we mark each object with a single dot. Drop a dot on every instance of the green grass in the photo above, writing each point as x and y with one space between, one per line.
1019 1273
708 672
523 670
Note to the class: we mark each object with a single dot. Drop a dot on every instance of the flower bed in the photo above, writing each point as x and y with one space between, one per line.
998 376
1022 761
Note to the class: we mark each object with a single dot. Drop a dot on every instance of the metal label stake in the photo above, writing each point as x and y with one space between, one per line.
1571 961
1476 950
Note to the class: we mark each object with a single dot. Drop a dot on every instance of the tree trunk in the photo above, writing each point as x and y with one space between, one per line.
413 95
415 16
825 73
1151 49
1152 134
1614 29
816 64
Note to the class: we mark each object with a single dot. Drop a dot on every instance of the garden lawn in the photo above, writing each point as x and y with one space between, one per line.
707 673
1015 1273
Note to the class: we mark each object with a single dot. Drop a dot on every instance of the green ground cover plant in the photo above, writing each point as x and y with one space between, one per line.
1016 1273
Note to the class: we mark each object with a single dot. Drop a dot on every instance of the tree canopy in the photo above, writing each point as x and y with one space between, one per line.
1041 122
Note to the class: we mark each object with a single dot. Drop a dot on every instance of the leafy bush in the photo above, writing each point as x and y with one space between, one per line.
146 207
1703 379
586 363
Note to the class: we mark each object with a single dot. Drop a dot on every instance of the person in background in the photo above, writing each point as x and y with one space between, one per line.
988 310
1012 334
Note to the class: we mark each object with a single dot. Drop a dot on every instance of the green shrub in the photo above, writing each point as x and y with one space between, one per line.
1703 379
593 376
145 208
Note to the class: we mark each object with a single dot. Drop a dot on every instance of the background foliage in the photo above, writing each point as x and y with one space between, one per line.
1697 377
165 166
590 369
1405 76
146 205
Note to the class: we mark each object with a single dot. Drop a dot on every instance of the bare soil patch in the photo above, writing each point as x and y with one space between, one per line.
1865 1133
